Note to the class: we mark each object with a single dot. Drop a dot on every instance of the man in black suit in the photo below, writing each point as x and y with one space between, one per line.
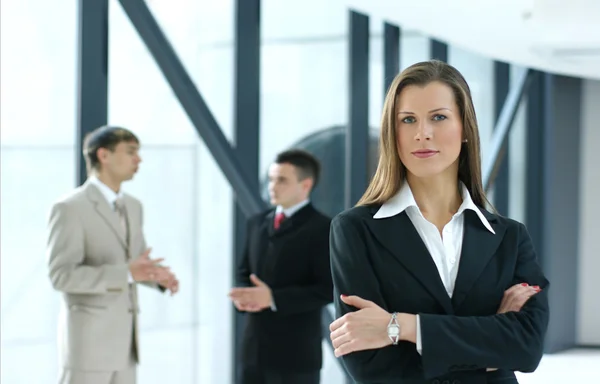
284 279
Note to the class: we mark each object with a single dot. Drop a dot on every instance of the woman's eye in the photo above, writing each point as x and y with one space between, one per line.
408 120
439 117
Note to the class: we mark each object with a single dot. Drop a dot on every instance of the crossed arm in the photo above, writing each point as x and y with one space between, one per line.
510 340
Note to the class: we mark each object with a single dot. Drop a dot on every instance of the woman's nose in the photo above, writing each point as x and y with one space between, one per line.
424 132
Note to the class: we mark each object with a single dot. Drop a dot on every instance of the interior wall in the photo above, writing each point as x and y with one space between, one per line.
588 329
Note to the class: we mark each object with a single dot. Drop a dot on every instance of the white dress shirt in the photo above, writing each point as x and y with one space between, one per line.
110 196
445 250
288 212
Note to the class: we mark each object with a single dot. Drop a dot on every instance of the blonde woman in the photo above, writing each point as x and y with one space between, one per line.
430 287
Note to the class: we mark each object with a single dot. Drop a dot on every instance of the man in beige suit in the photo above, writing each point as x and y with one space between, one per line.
96 256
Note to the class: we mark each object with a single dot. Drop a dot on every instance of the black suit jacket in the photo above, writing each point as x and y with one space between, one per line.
385 261
294 262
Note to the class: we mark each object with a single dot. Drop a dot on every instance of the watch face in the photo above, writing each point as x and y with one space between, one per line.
393 330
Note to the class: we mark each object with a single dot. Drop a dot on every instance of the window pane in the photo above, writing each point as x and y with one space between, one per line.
38 62
30 184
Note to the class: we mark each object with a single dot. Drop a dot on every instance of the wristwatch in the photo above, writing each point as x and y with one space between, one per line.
393 329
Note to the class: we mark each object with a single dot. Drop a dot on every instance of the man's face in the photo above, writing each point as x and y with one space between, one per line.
285 188
122 163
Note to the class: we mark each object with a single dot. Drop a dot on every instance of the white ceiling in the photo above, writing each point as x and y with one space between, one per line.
557 36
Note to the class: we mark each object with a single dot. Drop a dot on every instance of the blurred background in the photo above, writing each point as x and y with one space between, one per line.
273 74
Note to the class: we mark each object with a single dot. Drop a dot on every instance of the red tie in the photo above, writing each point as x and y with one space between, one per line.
278 220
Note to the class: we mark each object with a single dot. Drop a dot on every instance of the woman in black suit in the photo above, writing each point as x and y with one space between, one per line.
430 287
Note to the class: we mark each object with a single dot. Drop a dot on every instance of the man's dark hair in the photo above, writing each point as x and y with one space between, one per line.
104 137
306 164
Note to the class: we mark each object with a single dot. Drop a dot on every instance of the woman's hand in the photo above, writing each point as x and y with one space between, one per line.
516 296
367 327
360 330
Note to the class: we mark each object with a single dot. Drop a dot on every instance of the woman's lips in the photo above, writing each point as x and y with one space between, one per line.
425 153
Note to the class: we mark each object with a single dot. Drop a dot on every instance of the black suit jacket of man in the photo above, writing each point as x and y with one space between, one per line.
385 261
294 261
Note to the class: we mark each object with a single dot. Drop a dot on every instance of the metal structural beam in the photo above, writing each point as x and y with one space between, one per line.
357 129
247 133
194 105
92 76
501 184
502 129
391 54
537 119
438 50
357 134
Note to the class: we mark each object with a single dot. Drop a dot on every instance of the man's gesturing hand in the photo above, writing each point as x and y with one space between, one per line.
143 268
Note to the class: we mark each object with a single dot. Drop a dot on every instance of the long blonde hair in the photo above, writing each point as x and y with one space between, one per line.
391 173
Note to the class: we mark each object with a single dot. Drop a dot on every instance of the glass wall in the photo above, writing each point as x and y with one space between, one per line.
37 167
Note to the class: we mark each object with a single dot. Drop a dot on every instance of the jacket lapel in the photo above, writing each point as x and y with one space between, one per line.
479 246
290 223
263 232
270 222
106 212
400 237
130 225
269 257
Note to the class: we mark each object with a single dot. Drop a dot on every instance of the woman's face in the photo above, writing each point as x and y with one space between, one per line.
429 130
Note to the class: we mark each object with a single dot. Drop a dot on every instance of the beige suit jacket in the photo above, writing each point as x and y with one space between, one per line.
88 263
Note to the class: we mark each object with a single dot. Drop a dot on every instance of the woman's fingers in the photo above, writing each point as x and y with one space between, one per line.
348 323
346 348
521 298
338 322
360 330
516 296
513 296
345 333
338 332
341 340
